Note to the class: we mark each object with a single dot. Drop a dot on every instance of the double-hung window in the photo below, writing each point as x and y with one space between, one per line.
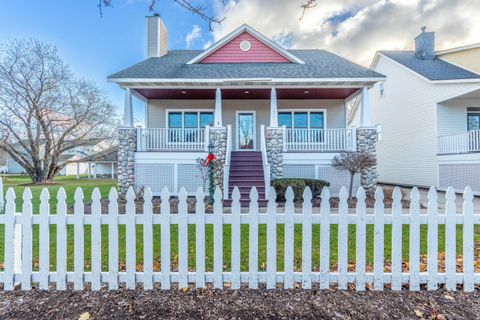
306 126
183 125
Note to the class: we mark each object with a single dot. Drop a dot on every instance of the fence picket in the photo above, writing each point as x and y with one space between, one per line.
26 278
61 257
182 239
414 240
343 239
218 239
360 241
10 209
307 239
147 239
253 241
130 239
235 234
44 239
432 250
96 239
200 238
325 239
468 245
271 239
397 239
78 249
378 240
2 199
113 239
165 238
289 238
450 240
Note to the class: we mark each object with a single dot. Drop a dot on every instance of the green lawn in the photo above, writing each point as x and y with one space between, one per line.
70 183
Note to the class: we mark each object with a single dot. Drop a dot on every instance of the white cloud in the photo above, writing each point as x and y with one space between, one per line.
355 29
193 35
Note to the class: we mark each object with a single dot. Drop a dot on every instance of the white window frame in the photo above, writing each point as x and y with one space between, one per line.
183 111
308 111
379 129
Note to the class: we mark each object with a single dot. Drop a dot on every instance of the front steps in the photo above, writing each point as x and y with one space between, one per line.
246 172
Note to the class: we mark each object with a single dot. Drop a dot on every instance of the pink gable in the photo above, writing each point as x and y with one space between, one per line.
231 52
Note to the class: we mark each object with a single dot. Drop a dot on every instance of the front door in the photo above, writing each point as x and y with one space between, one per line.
246 130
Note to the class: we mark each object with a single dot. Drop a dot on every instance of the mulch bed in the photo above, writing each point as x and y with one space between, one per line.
239 304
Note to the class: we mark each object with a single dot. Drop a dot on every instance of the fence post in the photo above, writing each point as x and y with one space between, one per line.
253 241
378 241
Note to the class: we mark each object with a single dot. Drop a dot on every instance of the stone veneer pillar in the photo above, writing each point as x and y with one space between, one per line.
274 141
127 145
367 142
218 137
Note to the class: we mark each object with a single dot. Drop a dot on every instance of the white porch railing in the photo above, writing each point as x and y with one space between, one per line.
226 167
322 140
171 139
459 143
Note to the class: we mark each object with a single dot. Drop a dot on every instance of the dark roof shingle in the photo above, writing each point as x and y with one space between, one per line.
436 69
318 64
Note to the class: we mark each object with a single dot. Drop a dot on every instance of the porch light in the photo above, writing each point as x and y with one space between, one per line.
210 148
247 91
307 92
184 92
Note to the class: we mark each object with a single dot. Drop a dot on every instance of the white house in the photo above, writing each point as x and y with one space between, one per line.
268 113
428 115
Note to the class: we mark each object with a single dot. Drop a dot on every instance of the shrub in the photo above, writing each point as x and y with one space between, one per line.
298 186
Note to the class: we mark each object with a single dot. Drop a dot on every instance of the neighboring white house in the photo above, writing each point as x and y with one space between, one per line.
427 114
269 112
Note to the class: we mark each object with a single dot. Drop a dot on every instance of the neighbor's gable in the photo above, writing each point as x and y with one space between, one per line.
231 52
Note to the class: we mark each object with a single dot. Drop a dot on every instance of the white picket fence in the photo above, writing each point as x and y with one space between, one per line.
273 218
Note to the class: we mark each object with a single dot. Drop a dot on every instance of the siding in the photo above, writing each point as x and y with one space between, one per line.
468 59
335 111
408 114
452 117
231 53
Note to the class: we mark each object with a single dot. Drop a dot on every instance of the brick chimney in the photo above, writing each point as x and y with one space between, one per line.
425 45
156 37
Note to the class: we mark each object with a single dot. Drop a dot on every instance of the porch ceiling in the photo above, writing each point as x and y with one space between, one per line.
247 93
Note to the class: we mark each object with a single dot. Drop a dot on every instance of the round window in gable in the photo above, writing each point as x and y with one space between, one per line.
245 45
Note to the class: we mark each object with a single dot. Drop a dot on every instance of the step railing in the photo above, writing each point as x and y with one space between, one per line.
171 139
320 140
459 143
266 165
226 167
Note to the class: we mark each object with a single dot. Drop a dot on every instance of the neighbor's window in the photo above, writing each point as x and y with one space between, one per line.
473 121
302 119
190 119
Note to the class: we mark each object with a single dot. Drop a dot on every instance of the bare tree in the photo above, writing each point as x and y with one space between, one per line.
44 110
201 11
354 163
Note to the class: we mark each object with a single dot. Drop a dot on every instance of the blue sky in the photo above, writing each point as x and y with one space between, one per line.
93 46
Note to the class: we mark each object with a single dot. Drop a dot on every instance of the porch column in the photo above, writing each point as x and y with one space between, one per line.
365 115
113 170
78 170
217 122
128 109
273 109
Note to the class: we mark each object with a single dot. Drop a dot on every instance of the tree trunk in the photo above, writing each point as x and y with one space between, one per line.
350 189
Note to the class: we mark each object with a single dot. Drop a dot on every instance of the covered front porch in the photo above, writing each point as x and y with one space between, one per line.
179 120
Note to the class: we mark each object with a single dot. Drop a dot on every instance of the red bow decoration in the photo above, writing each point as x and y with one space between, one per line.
210 158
